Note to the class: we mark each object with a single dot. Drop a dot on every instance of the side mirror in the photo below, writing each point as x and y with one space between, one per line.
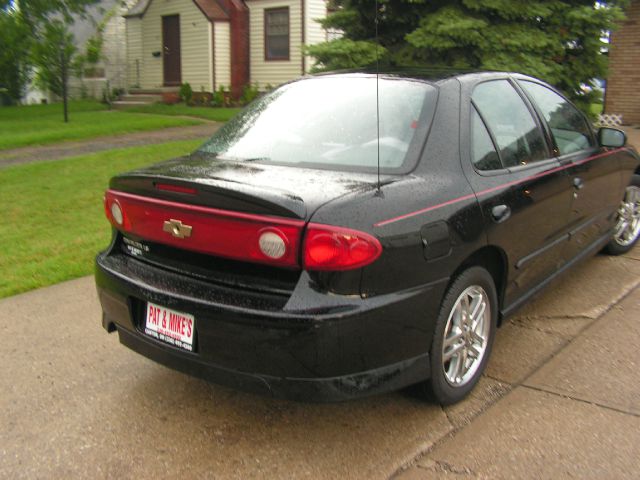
611 137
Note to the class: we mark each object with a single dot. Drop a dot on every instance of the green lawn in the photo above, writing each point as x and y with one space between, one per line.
43 124
53 219
215 114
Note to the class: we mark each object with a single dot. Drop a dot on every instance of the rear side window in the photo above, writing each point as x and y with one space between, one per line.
518 138
483 152
569 128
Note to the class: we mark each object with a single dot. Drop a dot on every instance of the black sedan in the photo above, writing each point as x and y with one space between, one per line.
350 234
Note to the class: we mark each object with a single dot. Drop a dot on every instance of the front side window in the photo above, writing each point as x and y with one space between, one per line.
276 34
330 122
568 126
518 138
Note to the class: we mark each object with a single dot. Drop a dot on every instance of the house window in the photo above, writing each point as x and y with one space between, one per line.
276 34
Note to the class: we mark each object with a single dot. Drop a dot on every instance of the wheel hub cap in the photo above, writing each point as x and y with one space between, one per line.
466 335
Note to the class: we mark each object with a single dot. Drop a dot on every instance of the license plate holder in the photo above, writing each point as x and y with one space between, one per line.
170 326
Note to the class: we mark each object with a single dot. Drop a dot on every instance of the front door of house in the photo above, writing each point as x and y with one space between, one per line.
171 50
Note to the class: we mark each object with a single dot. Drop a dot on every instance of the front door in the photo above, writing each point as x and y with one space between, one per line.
171 50
594 175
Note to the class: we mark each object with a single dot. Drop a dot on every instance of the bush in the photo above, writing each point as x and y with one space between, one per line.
221 97
202 99
186 92
249 93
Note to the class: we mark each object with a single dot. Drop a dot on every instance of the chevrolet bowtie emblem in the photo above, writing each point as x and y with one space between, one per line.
177 229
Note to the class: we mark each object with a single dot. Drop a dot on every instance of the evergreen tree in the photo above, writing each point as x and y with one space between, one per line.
559 41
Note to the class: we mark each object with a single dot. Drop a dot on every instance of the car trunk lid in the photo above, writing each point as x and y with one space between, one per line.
243 187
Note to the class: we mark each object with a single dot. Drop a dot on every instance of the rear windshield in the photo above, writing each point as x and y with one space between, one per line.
330 122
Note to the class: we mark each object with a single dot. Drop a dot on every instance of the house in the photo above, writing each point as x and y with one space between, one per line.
214 43
622 96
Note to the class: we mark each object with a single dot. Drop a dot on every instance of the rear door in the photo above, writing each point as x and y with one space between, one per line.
595 176
523 192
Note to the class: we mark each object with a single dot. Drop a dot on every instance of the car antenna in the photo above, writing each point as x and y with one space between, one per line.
378 191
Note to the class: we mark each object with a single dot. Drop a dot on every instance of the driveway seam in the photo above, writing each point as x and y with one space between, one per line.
558 335
578 399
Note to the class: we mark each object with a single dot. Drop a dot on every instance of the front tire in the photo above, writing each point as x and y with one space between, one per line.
627 229
463 336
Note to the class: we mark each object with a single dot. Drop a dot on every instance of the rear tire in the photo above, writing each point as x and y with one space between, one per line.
627 229
463 336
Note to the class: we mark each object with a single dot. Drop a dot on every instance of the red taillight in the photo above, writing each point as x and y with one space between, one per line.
241 236
335 248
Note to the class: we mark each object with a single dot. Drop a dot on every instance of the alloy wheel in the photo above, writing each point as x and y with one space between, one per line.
466 336
627 228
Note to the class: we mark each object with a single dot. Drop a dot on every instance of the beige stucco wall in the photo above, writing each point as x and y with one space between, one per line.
222 45
195 44
274 72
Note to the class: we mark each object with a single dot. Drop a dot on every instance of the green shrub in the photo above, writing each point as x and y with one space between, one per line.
249 93
221 97
186 92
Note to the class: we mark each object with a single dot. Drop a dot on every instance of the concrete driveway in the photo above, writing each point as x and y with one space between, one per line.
561 396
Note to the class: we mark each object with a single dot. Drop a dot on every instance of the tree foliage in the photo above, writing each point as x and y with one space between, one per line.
14 56
36 13
25 25
556 40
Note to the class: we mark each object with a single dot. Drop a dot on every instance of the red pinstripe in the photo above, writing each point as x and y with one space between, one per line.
493 189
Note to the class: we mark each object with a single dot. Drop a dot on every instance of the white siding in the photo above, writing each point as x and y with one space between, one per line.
274 72
134 51
314 10
195 47
222 44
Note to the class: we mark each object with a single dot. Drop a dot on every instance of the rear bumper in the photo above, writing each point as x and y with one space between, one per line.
333 389
335 348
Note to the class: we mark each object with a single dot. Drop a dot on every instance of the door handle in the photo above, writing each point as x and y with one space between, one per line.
500 213
578 183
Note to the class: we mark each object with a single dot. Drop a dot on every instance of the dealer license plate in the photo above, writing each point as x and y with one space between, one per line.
170 326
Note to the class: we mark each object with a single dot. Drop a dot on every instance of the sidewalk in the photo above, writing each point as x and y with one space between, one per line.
58 151
633 135
577 415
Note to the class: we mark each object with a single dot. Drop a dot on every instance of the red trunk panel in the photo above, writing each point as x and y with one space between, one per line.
206 230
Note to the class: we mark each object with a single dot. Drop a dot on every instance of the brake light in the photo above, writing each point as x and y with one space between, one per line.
335 248
167 187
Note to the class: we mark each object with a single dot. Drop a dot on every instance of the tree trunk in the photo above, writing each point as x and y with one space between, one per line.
65 93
